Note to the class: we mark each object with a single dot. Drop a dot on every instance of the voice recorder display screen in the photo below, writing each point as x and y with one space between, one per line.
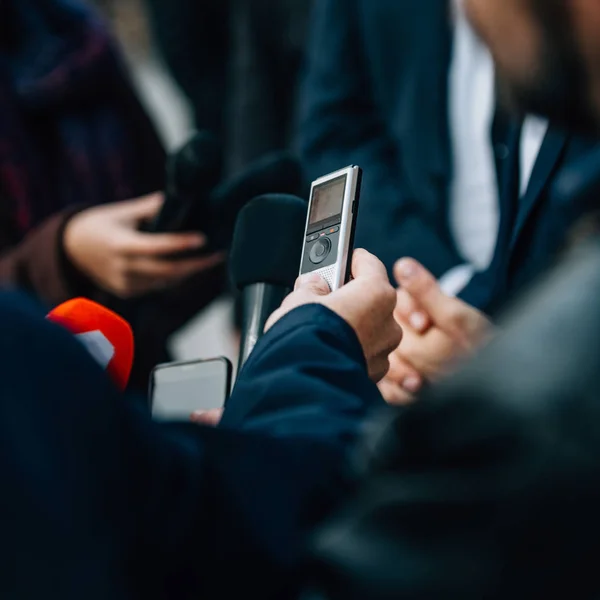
327 200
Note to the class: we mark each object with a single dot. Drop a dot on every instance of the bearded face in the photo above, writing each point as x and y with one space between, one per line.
540 67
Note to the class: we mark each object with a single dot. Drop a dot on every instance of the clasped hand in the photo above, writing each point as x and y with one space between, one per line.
439 330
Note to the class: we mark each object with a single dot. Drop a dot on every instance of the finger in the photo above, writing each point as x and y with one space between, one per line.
309 289
378 368
365 264
404 375
136 243
155 276
410 313
133 287
422 286
142 209
161 270
370 280
136 283
190 268
210 418
393 394
450 315
312 283
430 355
393 334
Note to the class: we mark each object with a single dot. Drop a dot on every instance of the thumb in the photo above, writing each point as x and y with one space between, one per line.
210 418
142 209
415 279
426 292
308 288
313 284
365 264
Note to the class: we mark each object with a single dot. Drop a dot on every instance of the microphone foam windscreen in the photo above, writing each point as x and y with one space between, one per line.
198 164
107 336
268 239
278 172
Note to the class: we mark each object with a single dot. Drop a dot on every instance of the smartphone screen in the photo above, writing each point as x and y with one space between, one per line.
179 389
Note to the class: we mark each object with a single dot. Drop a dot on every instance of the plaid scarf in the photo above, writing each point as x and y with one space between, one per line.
71 129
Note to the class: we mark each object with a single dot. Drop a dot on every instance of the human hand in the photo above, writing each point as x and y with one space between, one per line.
438 331
210 418
105 244
366 303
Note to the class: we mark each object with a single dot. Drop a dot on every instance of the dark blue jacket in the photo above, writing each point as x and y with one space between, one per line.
534 230
100 502
376 94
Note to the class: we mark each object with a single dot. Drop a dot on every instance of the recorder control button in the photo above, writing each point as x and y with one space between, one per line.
333 230
320 251
313 237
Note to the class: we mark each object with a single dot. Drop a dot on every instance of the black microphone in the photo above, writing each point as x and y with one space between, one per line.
265 260
276 173
192 174
195 201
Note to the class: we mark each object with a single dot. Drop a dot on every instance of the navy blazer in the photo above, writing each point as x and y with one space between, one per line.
98 501
376 94
533 229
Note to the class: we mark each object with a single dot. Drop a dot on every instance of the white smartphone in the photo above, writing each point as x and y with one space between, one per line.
331 226
179 389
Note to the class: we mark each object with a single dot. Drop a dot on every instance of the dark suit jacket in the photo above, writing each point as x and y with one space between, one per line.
534 229
238 63
376 95
268 42
100 502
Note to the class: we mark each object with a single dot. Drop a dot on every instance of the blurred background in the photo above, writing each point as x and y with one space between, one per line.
210 334
407 91
250 104
168 106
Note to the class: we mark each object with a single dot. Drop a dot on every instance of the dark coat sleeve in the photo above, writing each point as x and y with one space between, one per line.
101 502
303 398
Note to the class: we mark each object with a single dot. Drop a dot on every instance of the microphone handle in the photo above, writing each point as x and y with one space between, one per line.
259 302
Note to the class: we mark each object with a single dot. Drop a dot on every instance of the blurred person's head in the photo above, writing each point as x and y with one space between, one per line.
547 54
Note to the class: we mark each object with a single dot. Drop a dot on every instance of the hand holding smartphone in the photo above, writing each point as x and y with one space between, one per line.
331 226
179 389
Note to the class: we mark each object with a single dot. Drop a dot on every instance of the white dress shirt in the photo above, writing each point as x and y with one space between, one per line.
474 205
532 136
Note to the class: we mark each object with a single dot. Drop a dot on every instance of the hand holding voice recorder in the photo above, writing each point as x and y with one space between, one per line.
331 226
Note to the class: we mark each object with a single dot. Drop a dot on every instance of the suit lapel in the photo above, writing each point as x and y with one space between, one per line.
552 148
508 173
